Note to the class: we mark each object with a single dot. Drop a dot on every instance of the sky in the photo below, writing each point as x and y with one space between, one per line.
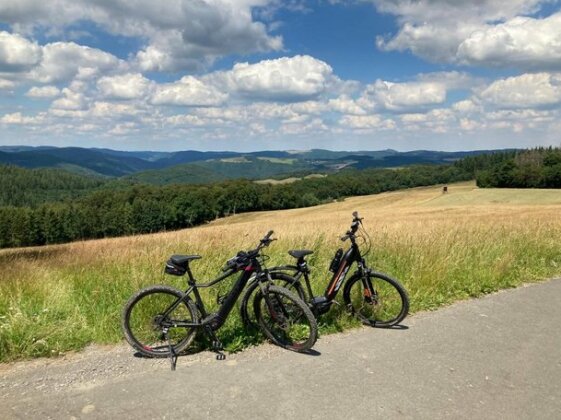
246 75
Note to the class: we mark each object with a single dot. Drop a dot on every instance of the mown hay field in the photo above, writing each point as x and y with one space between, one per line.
442 247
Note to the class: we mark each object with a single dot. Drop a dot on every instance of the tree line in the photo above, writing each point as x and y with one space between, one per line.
536 168
137 209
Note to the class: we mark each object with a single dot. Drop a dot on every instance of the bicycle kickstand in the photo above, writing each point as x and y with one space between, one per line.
216 344
172 354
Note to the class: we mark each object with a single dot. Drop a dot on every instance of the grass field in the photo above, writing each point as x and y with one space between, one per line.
442 247
286 161
288 180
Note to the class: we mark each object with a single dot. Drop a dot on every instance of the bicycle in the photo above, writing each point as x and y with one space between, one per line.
375 298
162 321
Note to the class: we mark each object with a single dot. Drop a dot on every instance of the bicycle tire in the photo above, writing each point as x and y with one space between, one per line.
139 320
281 279
289 323
388 307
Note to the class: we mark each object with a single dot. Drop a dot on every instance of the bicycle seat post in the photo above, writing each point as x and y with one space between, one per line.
191 279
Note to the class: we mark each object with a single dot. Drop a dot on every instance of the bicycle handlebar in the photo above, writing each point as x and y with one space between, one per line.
267 236
356 218
266 241
241 257
354 226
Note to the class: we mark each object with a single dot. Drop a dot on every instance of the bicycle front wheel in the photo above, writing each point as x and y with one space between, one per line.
145 318
384 305
285 319
280 279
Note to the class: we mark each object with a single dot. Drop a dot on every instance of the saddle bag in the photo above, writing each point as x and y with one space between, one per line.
174 269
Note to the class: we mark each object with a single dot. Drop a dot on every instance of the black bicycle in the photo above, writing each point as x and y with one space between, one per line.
375 298
162 321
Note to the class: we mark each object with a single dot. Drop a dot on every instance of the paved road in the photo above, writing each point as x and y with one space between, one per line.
496 357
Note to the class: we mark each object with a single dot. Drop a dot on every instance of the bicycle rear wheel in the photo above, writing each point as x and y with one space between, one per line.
143 316
285 319
387 306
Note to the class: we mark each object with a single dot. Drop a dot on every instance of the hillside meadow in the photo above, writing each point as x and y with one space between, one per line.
442 247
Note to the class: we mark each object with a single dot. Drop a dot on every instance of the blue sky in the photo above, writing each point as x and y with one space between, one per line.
270 74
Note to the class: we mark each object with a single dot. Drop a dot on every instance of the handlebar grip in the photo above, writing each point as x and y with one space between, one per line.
356 218
268 235
345 237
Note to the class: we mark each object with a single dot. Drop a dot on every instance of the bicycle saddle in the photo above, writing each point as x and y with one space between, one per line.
183 260
299 253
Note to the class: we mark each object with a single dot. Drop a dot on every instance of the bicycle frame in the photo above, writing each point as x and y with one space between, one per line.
216 319
321 304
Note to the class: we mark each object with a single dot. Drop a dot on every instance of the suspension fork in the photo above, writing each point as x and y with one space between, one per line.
368 288
264 286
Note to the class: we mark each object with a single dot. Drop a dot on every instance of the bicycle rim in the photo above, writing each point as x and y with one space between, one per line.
144 323
386 306
286 320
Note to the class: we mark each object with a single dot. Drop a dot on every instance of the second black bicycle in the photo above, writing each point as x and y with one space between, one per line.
162 321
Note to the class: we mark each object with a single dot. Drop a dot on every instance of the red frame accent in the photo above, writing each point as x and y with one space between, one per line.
336 278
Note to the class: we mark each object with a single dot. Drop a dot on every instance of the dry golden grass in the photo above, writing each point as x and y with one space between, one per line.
442 247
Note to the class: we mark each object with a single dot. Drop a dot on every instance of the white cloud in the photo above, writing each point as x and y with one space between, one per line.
299 127
531 116
124 129
366 122
181 34
287 78
6 84
525 91
346 105
439 120
434 42
441 10
63 61
414 118
43 92
486 32
405 96
124 86
237 114
111 110
469 124
466 106
189 91
71 101
450 79
17 118
17 53
309 107
522 41
188 120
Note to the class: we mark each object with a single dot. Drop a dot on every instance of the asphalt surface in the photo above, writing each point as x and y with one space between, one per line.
490 358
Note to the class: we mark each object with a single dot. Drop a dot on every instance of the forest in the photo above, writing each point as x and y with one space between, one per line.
536 168
49 206
120 209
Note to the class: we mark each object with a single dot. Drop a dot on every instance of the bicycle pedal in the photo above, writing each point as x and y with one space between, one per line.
220 356
217 345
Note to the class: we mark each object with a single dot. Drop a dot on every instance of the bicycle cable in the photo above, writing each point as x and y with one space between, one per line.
367 240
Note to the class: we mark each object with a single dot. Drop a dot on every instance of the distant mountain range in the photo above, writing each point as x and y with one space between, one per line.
193 166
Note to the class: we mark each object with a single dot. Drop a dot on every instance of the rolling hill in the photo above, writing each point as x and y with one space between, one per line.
193 166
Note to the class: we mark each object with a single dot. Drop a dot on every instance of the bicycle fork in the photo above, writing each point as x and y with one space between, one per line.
369 293
276 309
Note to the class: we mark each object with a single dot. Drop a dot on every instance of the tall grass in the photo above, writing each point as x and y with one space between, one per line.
441 247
